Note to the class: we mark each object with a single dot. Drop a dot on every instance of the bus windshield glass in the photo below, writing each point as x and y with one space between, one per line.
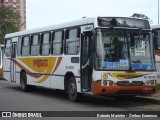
124 50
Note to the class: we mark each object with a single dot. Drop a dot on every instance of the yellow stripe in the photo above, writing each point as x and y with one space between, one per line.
51 64
43 65
122 76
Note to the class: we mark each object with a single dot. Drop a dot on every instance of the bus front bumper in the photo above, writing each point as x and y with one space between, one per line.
123 90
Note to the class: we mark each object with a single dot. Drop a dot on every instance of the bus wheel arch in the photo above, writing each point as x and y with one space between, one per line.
67 77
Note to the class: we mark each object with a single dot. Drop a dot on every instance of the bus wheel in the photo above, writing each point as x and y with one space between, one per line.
24 85
72 90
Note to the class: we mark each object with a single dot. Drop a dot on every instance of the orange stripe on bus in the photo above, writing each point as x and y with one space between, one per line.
57 65
26 70
36 75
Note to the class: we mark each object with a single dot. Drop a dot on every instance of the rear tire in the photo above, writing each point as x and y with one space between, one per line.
24 85
72 90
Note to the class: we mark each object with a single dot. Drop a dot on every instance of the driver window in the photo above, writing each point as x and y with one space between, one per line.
115 48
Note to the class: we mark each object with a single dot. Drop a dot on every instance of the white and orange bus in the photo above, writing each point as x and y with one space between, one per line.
97 56
156 36
1 59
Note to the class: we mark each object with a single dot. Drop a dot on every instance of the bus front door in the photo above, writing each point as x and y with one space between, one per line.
13 60
1 53
86 79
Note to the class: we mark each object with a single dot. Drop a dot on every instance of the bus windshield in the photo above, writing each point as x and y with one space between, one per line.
124 50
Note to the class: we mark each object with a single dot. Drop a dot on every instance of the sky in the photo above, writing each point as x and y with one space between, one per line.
42 13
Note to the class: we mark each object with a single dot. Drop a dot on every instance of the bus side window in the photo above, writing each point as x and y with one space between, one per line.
19 50
35 40
158 39
156 36
57 43
8 48
72 41
45 44
25 45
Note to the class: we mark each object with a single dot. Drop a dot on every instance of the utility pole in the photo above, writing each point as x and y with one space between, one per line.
158 11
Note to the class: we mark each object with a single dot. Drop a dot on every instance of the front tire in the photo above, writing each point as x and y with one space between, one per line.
72 90
24 85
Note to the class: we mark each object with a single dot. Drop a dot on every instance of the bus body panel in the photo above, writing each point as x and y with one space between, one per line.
7 69
157 57
47 71
123 81
1 59
156 36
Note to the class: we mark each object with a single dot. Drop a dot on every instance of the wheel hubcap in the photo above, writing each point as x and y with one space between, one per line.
22 84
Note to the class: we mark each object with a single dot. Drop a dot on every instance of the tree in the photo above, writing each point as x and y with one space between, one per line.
138 15
10 21
143 16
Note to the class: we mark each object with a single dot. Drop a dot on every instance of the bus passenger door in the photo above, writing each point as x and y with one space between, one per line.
1 54
86 78
13 60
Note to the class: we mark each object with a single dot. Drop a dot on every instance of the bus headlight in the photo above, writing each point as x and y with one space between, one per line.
105 82
151 82
147 83
108 82
111 82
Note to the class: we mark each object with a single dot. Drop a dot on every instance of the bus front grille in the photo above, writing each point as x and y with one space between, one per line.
125 92
127 83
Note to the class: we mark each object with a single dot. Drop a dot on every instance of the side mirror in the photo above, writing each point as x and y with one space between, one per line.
92 44
93 40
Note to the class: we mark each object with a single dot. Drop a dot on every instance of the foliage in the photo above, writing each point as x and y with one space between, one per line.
138 15
10 21
142 16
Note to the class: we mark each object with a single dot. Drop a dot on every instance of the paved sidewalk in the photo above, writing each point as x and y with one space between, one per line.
155 96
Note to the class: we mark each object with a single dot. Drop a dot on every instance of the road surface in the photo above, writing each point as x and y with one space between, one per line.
40 99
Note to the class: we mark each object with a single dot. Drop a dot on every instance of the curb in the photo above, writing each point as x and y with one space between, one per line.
154 98
150 100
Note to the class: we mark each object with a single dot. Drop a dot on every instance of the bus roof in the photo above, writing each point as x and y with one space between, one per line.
86 21
83 21
155 26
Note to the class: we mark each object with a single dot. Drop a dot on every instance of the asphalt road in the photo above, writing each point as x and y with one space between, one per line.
40 99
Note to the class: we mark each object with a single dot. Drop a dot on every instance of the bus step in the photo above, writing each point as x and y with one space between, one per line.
89 92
